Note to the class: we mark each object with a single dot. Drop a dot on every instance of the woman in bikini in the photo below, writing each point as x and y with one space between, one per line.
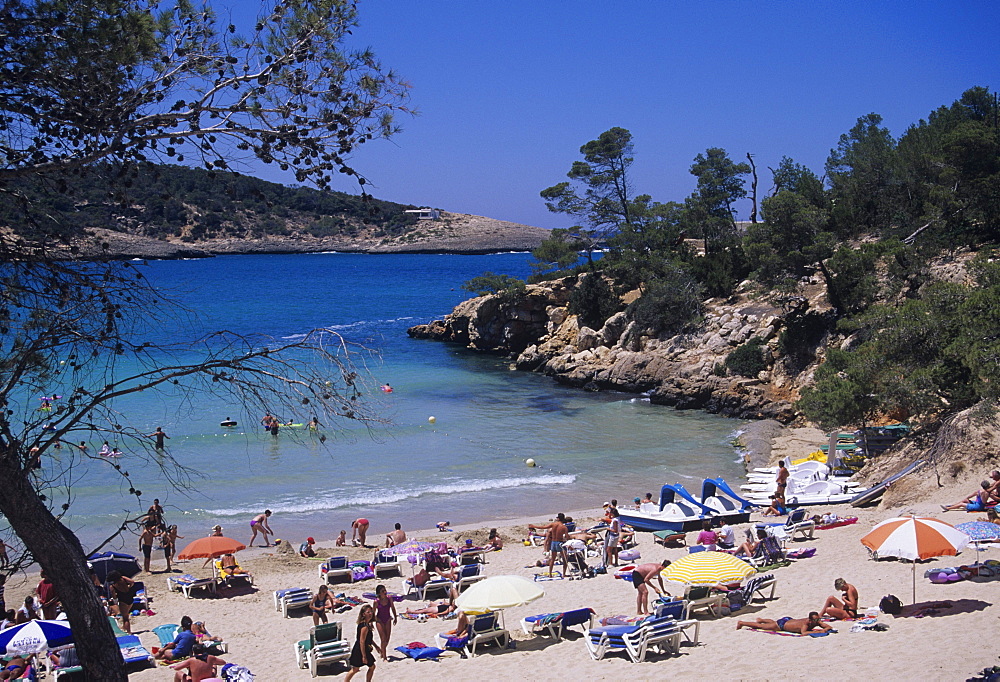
385 618
259 525
322 602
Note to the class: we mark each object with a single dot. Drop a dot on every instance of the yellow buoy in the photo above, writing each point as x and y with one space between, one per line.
431 419
530 462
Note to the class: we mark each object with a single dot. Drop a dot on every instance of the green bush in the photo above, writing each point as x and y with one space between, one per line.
748 359
668 305
593 300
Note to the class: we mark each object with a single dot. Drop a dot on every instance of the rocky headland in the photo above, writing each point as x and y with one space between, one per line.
684 371
454 233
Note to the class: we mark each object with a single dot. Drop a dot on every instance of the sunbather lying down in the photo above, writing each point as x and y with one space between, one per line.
230 567
439 608
799 626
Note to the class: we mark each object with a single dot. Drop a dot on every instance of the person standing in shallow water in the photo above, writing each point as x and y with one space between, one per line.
159 435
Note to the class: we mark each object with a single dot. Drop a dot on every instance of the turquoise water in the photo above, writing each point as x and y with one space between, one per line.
468 466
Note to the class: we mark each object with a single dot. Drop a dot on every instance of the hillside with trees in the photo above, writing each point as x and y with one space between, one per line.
880 271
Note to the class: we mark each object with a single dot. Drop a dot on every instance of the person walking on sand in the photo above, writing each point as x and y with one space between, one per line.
643 576
845 608
359 531
384 607
159 435
361 654
259 525
798 626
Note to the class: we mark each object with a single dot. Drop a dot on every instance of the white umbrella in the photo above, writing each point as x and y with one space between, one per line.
499 592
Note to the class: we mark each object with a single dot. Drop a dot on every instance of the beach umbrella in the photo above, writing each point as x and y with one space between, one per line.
409 547
210 547
708 568
499 592
35 636
980 530
913 538
106 562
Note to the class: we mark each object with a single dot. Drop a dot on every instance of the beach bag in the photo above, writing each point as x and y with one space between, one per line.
890 604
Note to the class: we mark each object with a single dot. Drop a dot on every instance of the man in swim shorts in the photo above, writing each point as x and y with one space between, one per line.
798 626
642 579
556 535
146 544
359 530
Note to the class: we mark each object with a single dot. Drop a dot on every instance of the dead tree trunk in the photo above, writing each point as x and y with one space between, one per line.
58 551
753 189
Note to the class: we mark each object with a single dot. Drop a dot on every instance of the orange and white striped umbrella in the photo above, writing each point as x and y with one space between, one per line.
914 537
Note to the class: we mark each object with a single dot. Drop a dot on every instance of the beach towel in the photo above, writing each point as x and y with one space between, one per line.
621 620
236 673
794 634
838 524
804 553
421 653
554 575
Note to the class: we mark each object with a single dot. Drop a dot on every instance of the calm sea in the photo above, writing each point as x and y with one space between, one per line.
468 466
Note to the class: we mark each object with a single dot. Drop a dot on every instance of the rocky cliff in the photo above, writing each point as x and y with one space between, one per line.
684 371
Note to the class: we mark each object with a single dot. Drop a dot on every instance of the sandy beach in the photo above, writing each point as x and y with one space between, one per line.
946 645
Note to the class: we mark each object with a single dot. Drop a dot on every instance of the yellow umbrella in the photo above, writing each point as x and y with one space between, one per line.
707 568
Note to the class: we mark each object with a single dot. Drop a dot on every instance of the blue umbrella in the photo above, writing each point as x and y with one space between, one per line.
35 636
106 562
980 530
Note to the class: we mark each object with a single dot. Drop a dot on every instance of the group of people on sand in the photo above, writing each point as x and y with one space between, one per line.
983 499
844 607
190 649
156 532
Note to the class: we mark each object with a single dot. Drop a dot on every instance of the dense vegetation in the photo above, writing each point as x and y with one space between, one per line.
192 203
883 209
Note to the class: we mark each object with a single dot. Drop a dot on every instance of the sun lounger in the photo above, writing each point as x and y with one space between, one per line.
701 597
291 598
188 583
166 633
661 634
133 651
485 628
669 537
69 663
555 623
229 579
335 567
386 564
436 583
468 575
757 585
325 645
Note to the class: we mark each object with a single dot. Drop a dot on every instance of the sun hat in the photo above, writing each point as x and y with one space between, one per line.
310 541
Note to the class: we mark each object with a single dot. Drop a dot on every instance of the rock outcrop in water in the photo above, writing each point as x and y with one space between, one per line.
684 371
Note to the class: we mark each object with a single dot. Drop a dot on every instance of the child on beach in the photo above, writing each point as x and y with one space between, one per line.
342 539
259 525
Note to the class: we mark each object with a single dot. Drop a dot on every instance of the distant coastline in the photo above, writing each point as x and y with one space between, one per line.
455 234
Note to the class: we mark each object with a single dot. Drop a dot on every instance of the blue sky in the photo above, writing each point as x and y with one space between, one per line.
509 91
